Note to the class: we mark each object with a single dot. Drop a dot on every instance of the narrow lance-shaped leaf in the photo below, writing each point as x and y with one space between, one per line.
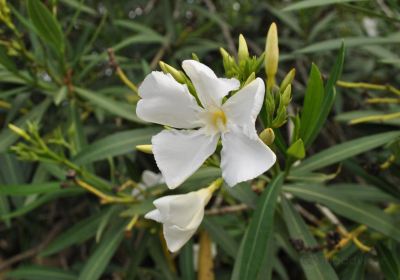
387 262
329 97
98 261
312 105
254 244
46 25
343 151
314 264
359 212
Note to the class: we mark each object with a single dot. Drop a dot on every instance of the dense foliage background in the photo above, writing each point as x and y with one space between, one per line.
59 83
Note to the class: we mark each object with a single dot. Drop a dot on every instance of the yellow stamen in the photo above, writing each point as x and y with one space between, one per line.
218 118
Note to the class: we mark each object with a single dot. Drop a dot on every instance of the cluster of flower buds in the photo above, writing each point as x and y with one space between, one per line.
245 67
277 97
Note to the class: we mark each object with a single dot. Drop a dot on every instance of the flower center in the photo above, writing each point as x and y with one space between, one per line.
218 119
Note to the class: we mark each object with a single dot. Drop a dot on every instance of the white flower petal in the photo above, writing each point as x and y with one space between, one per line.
150 179
177 237
243 108
167 102
154 215
244 156
180 153
183 210
210 89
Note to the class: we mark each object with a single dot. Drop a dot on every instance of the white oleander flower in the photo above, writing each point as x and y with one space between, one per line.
149 179
180 215
179 153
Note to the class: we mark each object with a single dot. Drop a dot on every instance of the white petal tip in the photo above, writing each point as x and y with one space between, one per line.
154 215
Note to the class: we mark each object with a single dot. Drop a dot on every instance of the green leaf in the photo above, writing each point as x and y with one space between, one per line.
46 25
117 108
356 270
76 234
362 192
350 42
40 201
115 144
254 244
80 6
387 262
221 237
299 5
312 105
343 151
297 150
28 189
329 97
98 261
186 261
314 264
359 212
243 193
155 250
34 272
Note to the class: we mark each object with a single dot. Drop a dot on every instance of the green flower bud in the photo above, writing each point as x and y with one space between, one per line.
243 51
148 149
271 55
267 136
178 75
288 79
287 95
19 131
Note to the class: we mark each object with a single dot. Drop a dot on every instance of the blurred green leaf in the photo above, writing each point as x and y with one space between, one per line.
220 236
46 25
356 270
186 261
314 264
78 233
387 262
40 273
40 201
360 212
115 144
350 42
103 252
299 5
80 6
117 108
27 189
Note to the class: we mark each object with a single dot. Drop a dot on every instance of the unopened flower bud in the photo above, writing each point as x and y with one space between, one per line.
243 51
19 131
227 60
288 79
271 55
148 149
178 75
267 136
287 95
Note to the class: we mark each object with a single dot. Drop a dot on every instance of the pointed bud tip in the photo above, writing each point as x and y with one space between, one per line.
148 149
